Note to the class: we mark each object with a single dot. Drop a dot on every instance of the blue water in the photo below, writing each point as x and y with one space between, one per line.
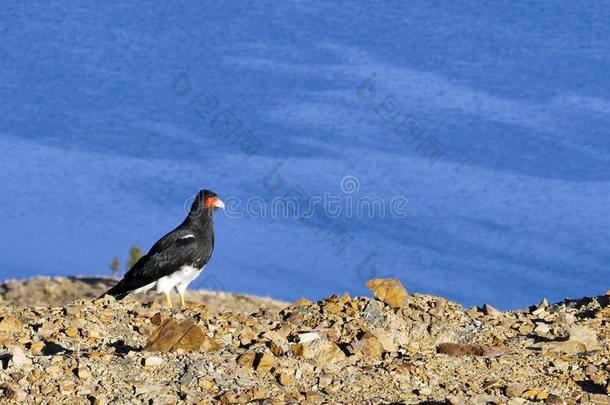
505 164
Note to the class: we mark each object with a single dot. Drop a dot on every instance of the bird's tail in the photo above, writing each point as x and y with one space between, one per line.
118 291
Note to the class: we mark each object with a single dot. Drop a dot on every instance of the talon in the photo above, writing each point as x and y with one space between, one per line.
168 300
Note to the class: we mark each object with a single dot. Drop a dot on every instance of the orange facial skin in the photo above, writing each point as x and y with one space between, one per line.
210 202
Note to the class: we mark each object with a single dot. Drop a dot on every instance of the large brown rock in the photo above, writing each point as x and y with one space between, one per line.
172 335
390 291
458 349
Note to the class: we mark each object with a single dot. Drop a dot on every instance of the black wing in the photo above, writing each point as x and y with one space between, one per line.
176 249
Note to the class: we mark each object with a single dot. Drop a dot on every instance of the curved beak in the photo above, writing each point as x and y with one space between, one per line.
219 204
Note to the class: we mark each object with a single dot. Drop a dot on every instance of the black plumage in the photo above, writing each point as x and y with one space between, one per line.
190 244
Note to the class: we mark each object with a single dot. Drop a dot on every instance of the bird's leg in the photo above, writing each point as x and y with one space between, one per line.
168 300
182 303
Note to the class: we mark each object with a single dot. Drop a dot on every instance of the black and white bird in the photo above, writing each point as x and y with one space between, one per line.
178 257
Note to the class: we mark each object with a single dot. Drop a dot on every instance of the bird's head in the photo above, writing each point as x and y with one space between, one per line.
205 203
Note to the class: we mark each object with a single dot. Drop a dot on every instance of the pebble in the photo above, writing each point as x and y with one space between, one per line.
308 337
19 358
83 373
153 361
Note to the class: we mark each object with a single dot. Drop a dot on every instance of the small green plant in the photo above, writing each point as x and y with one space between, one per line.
115 266
134 255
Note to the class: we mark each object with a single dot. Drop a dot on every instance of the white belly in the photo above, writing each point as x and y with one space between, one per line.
179 280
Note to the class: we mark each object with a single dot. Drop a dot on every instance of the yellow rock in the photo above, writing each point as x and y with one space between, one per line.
247 359
332 307
206 383
24 340
534 394
498 342
264 362
529 394
276 349
37 347
284 378
257 361
6 339
301 302
10 324
345 298
390 291
297 350
72 331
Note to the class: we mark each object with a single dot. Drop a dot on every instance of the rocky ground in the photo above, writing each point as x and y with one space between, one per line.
39 291
394 348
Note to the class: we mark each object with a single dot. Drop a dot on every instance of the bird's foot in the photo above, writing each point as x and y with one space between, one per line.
168 301
183 304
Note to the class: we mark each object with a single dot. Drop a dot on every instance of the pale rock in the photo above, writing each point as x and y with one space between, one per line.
562 346
542 328
565 319
19 358
83 373
308 337
561 365
321 350
585 336
153 361
386 341
541 307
